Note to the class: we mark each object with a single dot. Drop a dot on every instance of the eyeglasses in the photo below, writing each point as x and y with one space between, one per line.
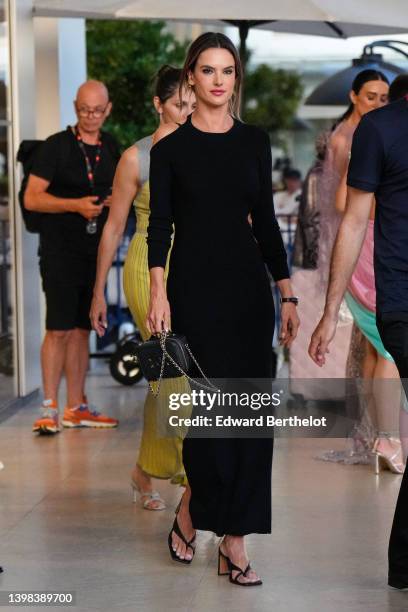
83 111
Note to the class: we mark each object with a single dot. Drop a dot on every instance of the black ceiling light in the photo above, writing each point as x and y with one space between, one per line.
335 90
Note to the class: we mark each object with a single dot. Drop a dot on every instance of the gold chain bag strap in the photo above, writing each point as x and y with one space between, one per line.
148 352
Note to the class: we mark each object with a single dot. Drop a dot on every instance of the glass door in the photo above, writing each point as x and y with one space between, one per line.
7 387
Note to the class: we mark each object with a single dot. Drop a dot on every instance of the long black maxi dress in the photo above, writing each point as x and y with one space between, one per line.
206 184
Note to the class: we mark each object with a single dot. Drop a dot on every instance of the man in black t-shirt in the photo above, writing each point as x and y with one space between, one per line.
378 168
71 181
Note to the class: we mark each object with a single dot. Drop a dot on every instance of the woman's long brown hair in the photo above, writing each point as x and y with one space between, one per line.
211 40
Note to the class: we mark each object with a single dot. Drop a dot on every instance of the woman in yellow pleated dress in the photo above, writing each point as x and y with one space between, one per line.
159 456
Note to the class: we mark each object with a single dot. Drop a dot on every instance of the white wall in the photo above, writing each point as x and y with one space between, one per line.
46 77
27 332
72 65
60 59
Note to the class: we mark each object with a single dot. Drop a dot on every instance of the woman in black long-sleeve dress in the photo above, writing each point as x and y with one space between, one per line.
206 177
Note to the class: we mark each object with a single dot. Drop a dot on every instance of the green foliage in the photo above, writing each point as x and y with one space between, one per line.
126 55
272 97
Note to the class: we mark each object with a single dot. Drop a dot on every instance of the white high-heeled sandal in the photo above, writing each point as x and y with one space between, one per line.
388 462
149 495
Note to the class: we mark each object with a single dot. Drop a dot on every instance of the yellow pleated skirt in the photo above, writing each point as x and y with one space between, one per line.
160 457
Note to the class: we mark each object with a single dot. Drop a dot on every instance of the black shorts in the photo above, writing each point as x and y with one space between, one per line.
67 306
68 286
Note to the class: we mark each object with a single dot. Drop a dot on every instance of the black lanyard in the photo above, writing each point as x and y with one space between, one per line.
89 170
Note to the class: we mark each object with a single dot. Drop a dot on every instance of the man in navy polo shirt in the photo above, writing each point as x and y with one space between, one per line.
378 168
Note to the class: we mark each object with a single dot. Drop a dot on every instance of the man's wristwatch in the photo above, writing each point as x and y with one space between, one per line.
293 300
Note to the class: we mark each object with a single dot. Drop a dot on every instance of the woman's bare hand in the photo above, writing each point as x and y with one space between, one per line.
98 315
158 318
290 324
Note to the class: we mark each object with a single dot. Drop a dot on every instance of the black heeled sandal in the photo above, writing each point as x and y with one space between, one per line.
234 580
226 567
223 564
188 543
178 532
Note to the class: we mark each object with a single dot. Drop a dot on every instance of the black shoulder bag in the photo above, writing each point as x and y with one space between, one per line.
168 356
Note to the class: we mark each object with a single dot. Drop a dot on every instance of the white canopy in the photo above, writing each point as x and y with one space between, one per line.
336 18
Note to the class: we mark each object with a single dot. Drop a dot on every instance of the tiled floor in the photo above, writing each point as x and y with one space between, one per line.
67 522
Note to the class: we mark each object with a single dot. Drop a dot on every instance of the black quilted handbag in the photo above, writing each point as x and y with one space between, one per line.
167 356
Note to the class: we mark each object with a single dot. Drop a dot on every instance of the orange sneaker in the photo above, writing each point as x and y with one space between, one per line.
48 422
114 422
82 416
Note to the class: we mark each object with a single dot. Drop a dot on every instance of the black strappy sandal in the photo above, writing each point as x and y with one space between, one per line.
235 580
188 543
223 564
225 567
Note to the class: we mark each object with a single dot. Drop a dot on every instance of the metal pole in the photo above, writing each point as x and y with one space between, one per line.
244 26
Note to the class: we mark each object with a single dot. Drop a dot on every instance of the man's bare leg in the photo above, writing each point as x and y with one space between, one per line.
53 353
76 365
